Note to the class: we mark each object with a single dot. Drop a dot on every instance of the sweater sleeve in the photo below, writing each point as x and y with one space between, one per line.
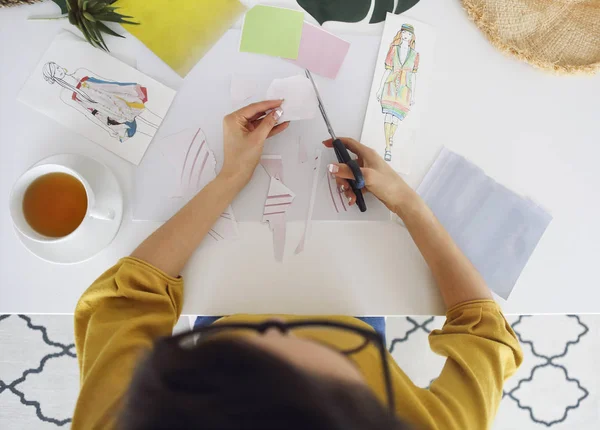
483 352
117 319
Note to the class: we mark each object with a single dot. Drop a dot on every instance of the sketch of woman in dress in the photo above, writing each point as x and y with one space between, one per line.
397 90
117 107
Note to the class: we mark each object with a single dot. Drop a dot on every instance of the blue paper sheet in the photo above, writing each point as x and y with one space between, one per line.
497 229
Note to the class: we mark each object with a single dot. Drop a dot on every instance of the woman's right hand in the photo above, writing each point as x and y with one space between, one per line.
380 178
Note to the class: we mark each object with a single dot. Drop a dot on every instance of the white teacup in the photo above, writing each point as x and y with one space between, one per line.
23 183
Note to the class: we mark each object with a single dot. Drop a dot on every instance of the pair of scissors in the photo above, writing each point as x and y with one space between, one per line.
342 153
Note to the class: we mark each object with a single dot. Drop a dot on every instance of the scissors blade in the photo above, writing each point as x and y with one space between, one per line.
321 106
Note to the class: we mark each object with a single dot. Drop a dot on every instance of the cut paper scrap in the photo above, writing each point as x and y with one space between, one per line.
299 98
272 31
277 203
173 171
180 32
273 164
311 204
321 52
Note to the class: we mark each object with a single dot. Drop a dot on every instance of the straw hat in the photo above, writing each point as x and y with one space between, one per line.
561 36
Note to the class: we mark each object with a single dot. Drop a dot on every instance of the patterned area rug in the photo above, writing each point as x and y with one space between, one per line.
557 387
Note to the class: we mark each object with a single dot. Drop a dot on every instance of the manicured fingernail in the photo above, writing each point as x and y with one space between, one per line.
278 113
333 168
342 188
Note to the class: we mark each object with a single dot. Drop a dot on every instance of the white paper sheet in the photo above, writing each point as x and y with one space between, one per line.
97 96
213 75
495 228
399 92
173 171
299 98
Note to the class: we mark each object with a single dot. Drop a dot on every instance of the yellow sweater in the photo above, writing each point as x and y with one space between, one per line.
133 303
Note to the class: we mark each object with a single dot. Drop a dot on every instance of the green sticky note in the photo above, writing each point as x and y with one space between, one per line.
272 31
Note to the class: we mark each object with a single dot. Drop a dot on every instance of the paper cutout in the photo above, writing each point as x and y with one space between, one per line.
193 158
302 152
497 229
272 31
299 98
398 93
225 227
97 96
242 90
311 204
180 34
175 169
321 52
273 164
277 203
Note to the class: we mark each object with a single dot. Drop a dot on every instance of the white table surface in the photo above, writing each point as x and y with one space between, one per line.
535 133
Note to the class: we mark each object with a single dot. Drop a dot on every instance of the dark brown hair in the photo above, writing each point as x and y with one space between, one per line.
229 384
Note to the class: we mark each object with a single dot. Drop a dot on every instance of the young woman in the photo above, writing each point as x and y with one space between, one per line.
280 372
399 83
119 108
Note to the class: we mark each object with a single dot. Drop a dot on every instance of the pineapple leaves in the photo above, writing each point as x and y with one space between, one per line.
106 29
89 16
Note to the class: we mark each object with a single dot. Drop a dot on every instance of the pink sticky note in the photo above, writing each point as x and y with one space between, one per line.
321 52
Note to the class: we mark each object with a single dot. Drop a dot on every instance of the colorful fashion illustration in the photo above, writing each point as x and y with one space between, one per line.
397 91
117 107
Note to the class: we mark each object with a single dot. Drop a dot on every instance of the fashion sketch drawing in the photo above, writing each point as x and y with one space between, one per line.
398 84
119 108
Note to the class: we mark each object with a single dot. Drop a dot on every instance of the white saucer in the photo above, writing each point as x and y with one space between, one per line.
84 243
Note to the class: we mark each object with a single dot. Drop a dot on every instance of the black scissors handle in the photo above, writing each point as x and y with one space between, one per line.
358 183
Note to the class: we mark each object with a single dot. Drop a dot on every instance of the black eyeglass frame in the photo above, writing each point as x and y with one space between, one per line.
285 327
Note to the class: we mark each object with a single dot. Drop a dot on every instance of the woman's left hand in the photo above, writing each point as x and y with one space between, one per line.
244 135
